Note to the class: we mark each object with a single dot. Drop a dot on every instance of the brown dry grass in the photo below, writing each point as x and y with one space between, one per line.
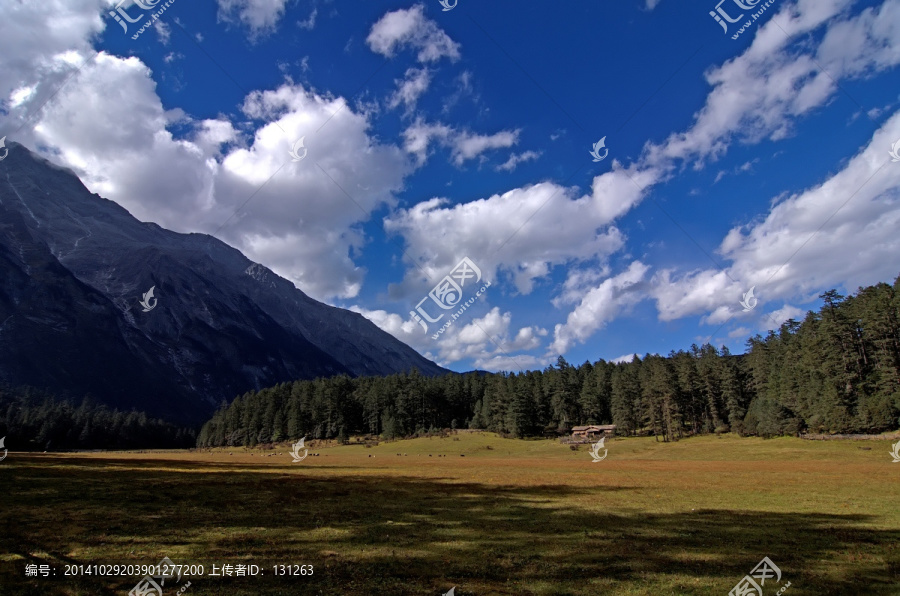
523 517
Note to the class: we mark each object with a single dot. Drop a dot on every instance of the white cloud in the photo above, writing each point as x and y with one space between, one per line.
578 281
212 134
463 88
419 135
468 146
739 333
524 231
515 159
259 15
777 317
403 328
487 340
302 224
310 23
163 31
464 145
410 88
42 45
624 359
839 232
410 28
600 305
110 126
760 93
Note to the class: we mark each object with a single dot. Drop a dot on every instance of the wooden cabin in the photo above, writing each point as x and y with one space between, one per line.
593 431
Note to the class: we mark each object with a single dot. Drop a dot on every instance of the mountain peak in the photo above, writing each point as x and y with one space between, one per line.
75 267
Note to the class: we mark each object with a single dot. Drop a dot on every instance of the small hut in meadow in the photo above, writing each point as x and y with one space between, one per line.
593 431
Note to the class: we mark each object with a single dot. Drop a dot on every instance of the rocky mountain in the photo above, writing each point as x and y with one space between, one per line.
74 268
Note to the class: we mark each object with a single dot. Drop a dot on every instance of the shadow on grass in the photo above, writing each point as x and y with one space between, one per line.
398 535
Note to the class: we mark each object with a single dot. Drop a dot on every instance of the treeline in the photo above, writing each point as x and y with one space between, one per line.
34 421
836 371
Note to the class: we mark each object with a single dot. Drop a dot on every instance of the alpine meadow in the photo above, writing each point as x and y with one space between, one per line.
444 298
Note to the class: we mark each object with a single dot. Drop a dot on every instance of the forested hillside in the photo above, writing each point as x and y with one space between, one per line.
32 420
836 371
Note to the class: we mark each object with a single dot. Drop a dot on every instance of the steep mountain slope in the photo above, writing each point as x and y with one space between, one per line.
74 266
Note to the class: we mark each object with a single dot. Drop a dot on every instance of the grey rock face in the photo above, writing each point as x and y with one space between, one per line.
74 267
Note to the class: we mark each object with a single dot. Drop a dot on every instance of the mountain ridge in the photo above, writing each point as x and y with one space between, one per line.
223 324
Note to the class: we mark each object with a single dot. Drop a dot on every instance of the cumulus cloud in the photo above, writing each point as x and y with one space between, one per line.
304 217
624 359
523 232
761 93
258 15
310 23
410 28
488 341
839 232
403 328
516 158
785 313
600 305
110 126
413 84
468 146
40 53
163 31
464 145
757 95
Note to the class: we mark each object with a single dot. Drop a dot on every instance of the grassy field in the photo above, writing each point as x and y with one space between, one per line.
495 516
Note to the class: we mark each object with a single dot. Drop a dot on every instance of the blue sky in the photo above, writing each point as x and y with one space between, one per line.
431 135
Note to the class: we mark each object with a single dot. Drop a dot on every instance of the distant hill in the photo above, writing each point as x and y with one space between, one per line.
74 266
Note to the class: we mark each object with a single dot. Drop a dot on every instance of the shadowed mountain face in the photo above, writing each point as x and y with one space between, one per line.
74 267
